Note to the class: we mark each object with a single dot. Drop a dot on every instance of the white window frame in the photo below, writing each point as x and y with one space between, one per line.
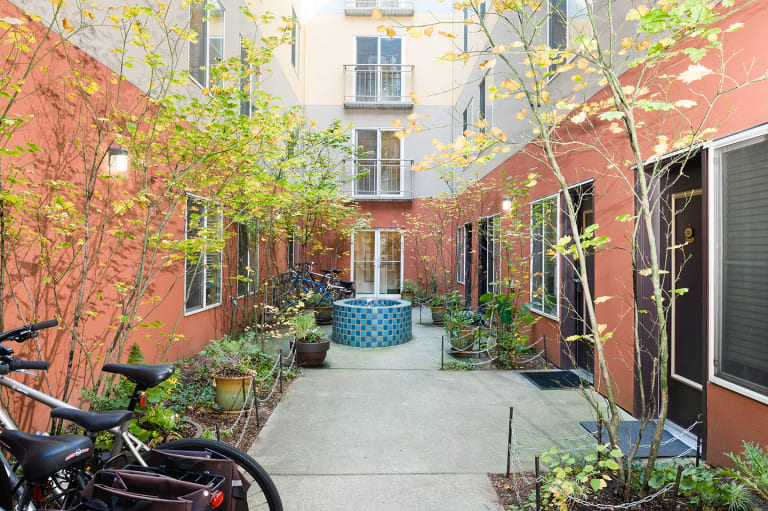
556 315
206 306
377 259
378 159
206 43
251 288
467 121
714 257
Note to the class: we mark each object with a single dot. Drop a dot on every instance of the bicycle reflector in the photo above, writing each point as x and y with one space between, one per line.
217 498
143 400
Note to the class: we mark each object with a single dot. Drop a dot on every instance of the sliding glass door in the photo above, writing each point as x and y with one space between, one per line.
377 262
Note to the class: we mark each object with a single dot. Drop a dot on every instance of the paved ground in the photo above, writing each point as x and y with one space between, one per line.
385 429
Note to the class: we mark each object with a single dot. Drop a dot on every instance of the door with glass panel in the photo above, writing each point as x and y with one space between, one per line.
380 166
378 69
377 262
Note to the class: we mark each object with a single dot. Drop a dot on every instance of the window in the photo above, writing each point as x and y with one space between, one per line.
568 19
203 269
460 268
207 19
380 169
466 29
739 290
293 250
492 253
247 259
466 118
483 109
379 73
296 38
247 81
544 265
482 8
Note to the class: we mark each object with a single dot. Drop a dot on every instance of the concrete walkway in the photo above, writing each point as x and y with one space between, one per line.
385 429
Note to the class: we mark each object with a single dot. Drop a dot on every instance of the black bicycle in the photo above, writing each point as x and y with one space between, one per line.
50 471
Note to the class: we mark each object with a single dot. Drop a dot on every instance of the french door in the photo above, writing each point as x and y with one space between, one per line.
380 168
377 256
378 69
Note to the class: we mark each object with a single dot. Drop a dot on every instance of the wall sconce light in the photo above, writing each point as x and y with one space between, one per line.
118 159
506 204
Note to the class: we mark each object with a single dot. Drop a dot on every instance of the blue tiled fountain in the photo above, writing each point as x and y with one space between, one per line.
371 322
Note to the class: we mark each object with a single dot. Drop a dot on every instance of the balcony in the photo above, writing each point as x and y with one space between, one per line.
387 7
389 180
378 86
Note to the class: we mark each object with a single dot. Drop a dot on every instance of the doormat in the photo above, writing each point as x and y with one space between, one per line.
552 380
670 445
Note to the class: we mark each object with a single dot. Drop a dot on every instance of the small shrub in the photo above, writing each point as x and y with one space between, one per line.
751 469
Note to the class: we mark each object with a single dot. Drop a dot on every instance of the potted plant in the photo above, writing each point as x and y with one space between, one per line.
230 359
323 308
440 303
408 290
311 347
511 323
460 326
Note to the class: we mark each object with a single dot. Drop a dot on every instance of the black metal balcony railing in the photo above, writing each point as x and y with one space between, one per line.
380 179
387 7
378 85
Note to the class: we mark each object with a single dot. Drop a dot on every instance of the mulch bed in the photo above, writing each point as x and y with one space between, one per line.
506 493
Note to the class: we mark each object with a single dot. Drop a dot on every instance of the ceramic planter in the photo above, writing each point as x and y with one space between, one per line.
438 315
311 354
463 341
408 296
323 314
230 392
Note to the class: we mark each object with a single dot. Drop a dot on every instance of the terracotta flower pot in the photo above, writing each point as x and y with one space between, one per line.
230 392
311 354
407 296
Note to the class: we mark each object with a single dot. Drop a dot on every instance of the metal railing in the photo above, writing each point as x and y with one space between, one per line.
378 85
387 7
382 179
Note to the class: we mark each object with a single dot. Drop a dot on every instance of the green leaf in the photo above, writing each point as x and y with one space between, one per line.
611 116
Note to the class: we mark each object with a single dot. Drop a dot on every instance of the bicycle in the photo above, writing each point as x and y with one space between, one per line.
55 468
328 287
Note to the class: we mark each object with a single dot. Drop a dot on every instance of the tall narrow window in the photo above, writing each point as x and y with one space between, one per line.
466 118
568 19
482 112
203 268
381 170
740 292
246 81
207 19
247 259
296 40
466 29
543 261
482 8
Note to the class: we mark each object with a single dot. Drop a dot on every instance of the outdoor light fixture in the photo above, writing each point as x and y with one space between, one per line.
118 159
506 204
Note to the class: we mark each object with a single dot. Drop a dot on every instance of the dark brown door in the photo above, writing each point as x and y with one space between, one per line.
573 310
686 329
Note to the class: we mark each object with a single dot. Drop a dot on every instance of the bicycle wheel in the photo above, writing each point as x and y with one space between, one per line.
262 494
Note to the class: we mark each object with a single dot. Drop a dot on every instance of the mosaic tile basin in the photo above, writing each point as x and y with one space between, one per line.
371 322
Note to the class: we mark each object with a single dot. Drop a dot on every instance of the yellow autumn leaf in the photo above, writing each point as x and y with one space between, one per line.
601 299
397 122
375 13
428 31
88 14
446 34
637 13
416 99
413 116
381 28
627 42
415 32
391 32
487 64
68 28
521 114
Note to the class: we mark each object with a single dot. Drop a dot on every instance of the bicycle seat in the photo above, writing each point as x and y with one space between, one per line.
146 376
40 456
335 271
93 422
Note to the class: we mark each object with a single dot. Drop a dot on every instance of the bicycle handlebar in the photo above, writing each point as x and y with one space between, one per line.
15 364
25 332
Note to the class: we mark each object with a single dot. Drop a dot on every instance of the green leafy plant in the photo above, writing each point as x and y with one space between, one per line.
305 327
751 468
232 355
408 286
319 300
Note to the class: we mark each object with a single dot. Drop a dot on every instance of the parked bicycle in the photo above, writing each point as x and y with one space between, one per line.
327 285
55 469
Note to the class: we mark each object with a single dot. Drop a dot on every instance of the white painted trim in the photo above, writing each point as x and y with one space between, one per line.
460 254
221 267
377 259
714 175
555 316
